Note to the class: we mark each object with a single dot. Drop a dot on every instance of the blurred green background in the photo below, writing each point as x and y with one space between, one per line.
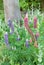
27 4
1 4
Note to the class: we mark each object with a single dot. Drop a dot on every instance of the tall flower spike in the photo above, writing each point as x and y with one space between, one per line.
10 24
26 20
6 38
35 22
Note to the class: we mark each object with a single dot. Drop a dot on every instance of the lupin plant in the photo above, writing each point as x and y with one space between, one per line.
28 28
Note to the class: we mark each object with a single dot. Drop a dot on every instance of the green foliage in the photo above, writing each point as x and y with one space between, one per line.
17 53
27 4
1 4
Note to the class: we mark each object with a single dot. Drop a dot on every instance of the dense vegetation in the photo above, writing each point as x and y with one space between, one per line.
16 44
28 4
1 4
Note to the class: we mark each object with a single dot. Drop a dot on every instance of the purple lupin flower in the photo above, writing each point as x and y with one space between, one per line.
10 24
6 38
27 43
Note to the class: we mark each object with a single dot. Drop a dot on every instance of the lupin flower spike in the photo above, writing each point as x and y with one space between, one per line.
35 22
6 38
26 20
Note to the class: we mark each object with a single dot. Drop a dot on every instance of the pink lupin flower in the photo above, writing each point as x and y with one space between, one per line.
26 20
35 22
